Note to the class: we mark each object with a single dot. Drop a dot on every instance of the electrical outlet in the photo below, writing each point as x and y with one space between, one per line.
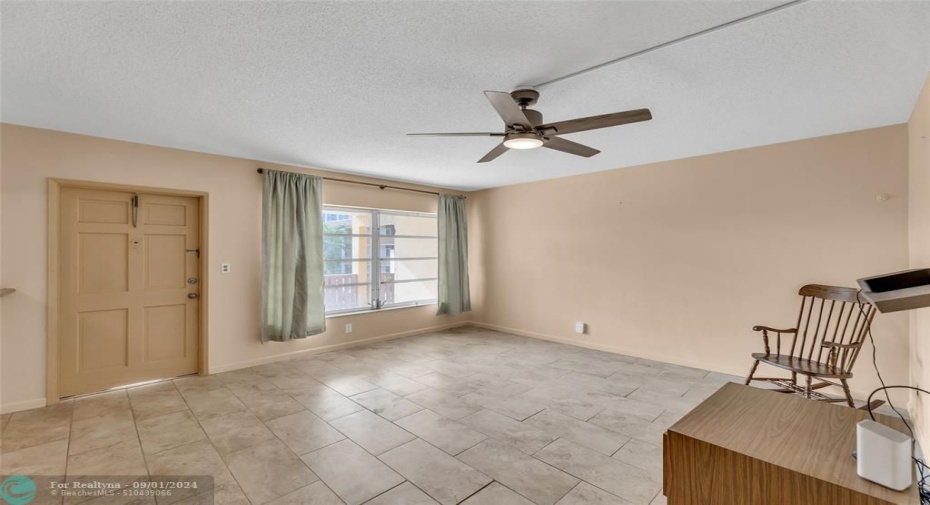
225 268
581 328
348 327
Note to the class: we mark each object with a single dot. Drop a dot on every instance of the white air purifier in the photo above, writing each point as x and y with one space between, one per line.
883 455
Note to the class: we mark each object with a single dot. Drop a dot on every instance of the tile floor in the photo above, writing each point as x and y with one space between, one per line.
463 416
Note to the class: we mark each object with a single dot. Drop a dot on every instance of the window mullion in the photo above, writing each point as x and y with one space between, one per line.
375 259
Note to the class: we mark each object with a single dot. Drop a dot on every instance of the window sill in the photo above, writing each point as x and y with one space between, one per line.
376 311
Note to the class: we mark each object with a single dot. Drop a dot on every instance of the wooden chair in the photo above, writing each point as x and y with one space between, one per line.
832 325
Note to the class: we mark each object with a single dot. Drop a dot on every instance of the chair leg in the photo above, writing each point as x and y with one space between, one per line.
794 377
849 398
752 371
807 389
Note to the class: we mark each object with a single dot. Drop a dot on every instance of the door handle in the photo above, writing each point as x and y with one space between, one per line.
193 296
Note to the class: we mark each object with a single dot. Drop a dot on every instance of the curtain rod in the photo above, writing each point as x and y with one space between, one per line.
381 186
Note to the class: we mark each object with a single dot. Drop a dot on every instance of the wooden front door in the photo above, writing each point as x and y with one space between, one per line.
129 303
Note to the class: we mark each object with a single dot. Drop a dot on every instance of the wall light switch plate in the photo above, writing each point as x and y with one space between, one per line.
581 328
348 327
225 268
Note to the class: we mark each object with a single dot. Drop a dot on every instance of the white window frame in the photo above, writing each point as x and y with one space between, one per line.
374 283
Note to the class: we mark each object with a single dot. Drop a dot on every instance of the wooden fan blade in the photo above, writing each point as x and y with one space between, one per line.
474 134
595 122
494 153
508 110
567 146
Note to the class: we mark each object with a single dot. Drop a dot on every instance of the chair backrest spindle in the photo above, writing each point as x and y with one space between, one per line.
831 315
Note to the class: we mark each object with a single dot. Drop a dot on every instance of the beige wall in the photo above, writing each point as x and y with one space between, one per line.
676 261
919 240
30 156
673 261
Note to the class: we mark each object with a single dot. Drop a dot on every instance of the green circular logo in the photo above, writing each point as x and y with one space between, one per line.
18 490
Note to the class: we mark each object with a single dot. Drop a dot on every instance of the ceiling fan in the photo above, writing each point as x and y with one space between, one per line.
524 127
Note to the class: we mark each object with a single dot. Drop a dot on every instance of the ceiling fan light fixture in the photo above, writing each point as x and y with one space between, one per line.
523 141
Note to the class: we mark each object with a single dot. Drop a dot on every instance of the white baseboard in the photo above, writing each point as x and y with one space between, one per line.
627 352
330 348
23 405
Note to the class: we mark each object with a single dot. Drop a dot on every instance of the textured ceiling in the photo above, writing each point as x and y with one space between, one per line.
337 84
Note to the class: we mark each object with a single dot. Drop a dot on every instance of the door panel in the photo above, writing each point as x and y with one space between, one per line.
165 262
103 336
165 332
125 315
103 260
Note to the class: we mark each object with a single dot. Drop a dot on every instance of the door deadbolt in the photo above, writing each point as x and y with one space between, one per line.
192 280
193 296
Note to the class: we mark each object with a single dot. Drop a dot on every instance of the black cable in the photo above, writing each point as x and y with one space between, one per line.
879 374
922 487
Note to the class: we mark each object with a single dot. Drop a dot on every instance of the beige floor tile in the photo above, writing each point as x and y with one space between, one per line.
314 494
325 403
339 465
196 458
112 427
197 383
530 477
298 380
348 386
577 404
446 384
443 403
397 384
157 403
371 432
642 455
124 458
46 459
36 427
4 418
586 494
589 435
523 436
213 403
236 431
268 405
441 476
446 434
496 494
193 459
165 432
86 407
628 482
386 404
304 432
154 387
511 405
241 376
268 471
404 494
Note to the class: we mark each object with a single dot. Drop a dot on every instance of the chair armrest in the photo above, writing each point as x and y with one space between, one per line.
840 351
765 337
776 330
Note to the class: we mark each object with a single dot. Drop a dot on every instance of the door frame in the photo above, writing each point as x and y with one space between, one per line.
55 186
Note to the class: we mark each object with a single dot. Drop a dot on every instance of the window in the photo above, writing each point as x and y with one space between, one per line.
402 247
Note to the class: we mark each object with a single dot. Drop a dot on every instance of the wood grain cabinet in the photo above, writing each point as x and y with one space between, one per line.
748 446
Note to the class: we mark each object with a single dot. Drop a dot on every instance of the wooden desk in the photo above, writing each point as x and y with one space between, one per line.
748 446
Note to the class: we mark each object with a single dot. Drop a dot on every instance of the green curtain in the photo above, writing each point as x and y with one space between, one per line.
454 297
292 256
